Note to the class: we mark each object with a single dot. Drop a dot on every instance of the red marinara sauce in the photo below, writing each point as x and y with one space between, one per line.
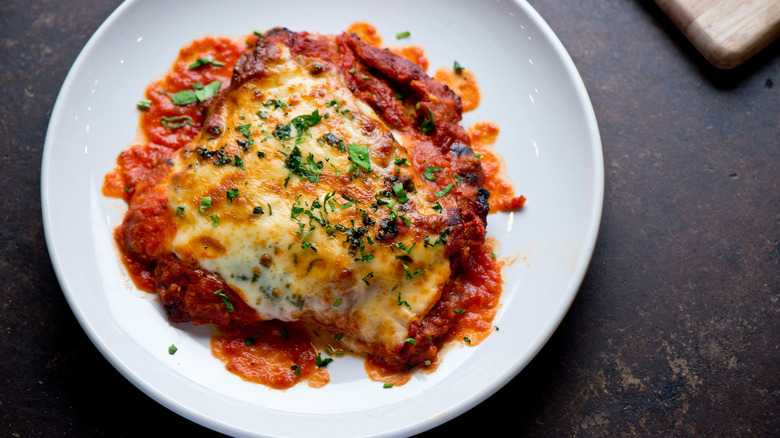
274 353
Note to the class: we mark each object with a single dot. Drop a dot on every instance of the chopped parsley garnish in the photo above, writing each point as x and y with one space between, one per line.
304 121
320 362
232 194
199 93
387 385
409 275
400 193
206 60
337 302
437 207
429 172
251 340
428 123
144 104
172 350
214 220
179 211
338 336
365 278
205 203
297 369
276 103
238 162
404 248
457 67
283 132
359 155
225 300
445 190
178 122
244 130
402 35
459 311
310 170
401 162
410 341
258 210
466 338
403 302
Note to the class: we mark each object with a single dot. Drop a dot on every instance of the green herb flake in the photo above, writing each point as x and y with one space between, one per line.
387 385
206 60
225 300
359 155
172 350
466 338
205 203
400 193
457 67
402 35
428 124
429 170
460 310
320 362
143 104
251 340
401 162
214 220
403 302
232 194
198 94
410 341
337 302
175 122
445 190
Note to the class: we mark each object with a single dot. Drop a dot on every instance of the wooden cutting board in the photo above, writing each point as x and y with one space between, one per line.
726 32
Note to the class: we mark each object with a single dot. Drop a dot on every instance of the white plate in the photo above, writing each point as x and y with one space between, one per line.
549 138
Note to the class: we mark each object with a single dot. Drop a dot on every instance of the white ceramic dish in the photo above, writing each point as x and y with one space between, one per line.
549 138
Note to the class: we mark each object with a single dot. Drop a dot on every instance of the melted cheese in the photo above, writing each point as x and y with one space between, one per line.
301 242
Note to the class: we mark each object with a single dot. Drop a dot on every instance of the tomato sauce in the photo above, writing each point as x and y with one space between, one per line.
463 83
502 193
273 353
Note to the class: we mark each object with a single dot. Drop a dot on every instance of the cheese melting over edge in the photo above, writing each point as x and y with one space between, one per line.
284 215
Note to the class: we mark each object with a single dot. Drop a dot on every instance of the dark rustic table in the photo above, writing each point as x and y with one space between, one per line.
674 332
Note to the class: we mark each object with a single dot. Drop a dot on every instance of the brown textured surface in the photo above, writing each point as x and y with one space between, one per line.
675 331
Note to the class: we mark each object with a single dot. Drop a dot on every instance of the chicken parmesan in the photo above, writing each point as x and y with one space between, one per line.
326 182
